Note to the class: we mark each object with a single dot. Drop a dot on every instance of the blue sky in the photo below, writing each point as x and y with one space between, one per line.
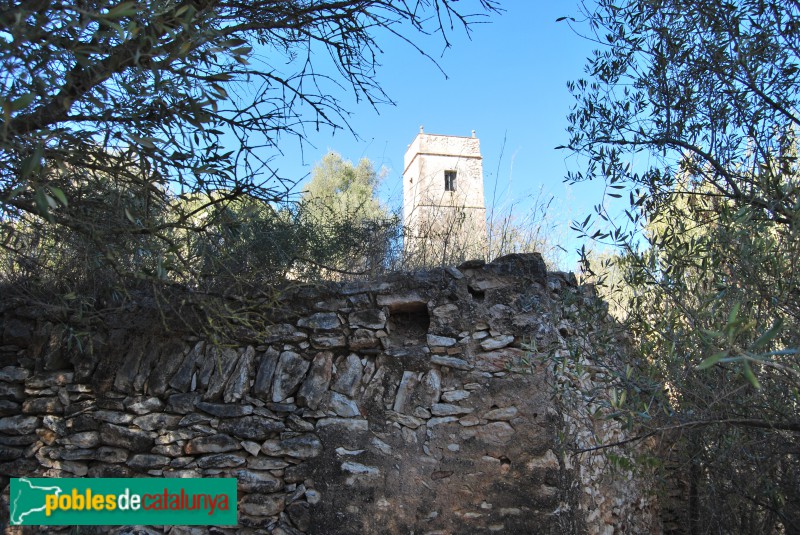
507 82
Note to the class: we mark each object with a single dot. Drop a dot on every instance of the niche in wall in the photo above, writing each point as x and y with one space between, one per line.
408 325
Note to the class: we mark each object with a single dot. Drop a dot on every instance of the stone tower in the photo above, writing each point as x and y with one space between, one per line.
443 205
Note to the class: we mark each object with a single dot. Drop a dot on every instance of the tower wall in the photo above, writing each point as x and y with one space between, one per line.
444 226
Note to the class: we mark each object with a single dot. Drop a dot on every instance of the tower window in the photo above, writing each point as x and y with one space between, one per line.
449 180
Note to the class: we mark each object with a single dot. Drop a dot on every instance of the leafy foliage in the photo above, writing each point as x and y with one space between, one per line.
136 136
338 190
353 230
690 112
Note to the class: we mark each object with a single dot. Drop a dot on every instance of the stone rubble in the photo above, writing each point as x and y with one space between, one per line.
407 404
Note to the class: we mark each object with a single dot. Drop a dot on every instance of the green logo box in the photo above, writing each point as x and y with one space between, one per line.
123 501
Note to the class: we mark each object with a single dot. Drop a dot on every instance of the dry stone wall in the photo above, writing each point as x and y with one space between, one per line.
410 404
